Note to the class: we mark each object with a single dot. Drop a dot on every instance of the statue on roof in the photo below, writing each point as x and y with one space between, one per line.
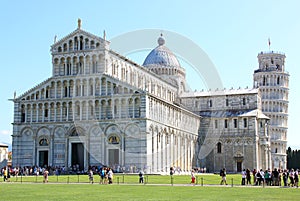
79 23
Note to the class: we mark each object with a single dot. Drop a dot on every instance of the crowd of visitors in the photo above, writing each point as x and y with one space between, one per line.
269 177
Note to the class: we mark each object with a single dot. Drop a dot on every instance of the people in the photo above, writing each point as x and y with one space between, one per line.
141 177
110 176
102 175
223 175
244 177
193 178
91 176
46 173
248 176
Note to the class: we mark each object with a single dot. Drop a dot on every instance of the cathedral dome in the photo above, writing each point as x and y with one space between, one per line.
161 56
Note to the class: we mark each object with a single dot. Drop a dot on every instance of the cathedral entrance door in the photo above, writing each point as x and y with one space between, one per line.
43 158
77 157
113 157
239 166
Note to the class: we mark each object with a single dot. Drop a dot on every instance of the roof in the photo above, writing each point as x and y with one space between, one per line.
220 92
234 113
161 56
3 145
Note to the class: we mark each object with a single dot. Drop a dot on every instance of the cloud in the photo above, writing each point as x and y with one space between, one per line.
5 132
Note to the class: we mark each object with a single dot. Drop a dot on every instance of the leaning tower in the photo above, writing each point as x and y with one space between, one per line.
273 81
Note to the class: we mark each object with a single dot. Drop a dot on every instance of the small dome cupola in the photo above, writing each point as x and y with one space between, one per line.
161 56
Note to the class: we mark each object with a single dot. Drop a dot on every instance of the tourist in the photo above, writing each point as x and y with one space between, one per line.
248 176
291 176
296 178
46 173
91 176
193 178
223 175
244 175
110 176
141 177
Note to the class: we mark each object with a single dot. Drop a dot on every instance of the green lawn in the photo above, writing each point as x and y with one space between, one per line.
30 192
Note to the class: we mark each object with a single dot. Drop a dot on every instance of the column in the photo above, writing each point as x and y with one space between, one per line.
55 112
37 112
61 109
73 110
31 111
67 118
80 116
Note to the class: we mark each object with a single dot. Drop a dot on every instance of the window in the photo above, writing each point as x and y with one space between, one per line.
66 92
244 101
235 123
226 123
245 123
210 103
278 80
227 102
219 147
264 81
216 123
78 110
46 113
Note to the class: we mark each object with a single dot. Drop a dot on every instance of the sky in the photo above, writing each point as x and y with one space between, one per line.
231 33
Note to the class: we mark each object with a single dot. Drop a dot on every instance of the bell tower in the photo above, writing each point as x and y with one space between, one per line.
273 82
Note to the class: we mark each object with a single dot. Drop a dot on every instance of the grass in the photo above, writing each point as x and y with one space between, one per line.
158 188
13 191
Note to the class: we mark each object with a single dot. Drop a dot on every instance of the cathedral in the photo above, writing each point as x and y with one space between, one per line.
99 108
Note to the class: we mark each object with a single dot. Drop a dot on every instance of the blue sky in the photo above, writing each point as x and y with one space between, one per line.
232 33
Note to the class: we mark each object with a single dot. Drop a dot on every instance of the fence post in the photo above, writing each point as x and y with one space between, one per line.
77 178
68 179
56 178
196 180
201 181
172 182
36 178
21 178
231 182
123 178
147 179
118 180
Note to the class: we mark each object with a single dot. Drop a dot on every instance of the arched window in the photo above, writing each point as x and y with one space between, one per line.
219 147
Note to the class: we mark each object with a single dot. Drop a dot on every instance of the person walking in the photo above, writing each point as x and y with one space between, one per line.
223 175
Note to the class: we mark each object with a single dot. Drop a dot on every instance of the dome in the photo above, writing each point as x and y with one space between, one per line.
161 56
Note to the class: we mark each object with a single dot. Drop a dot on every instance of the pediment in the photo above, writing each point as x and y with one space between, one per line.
78 40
